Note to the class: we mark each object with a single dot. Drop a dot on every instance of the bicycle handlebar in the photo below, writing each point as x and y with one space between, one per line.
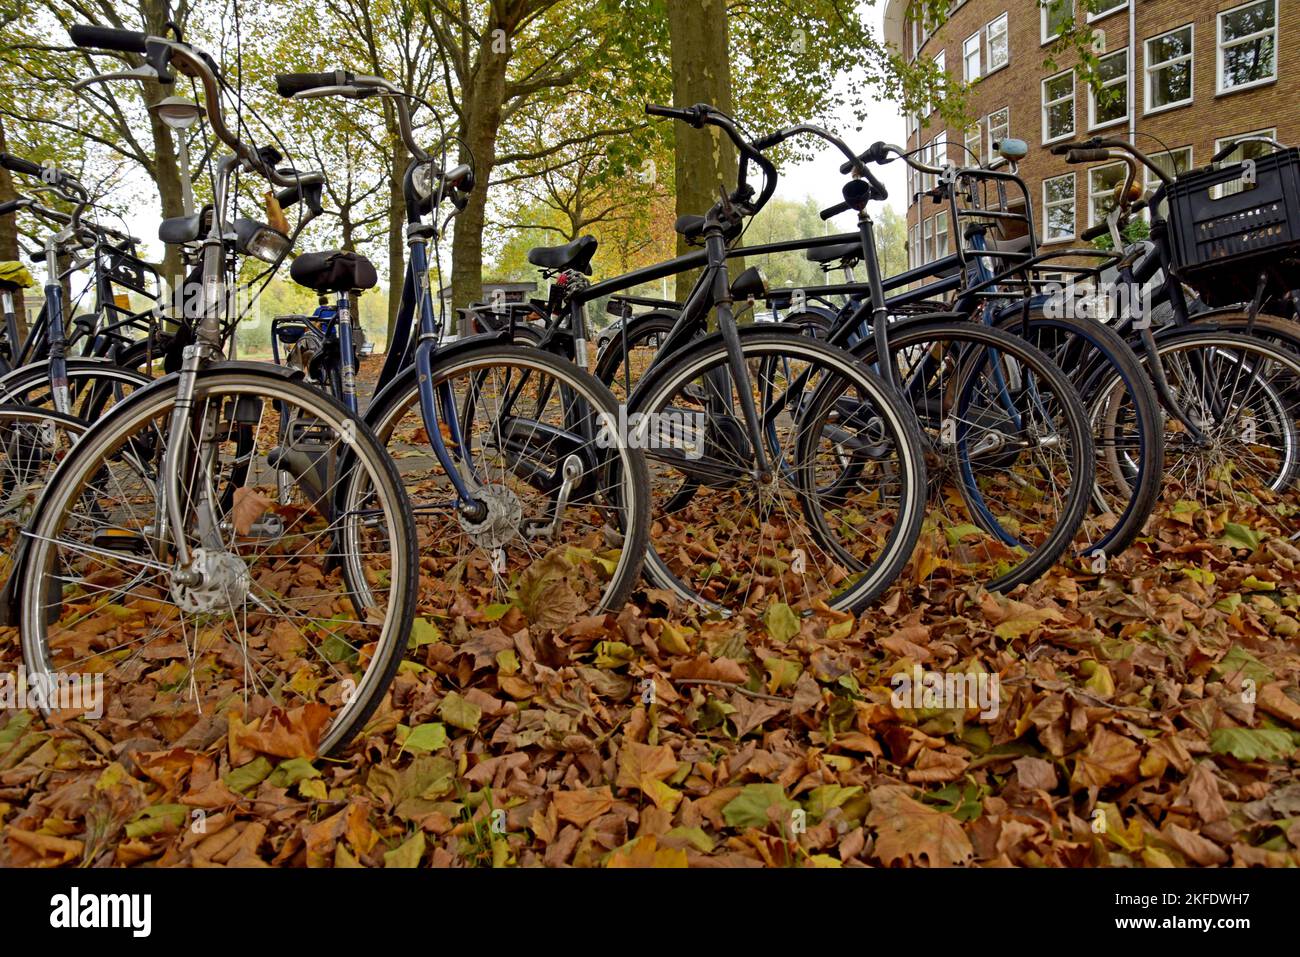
354 86
193 63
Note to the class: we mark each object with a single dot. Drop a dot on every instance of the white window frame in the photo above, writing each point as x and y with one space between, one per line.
1121 80
994 158
1042 11
927 240
974 134
1094 17
1092 219
1276 30
1151 182
989 33
941 234
1150 69
1220 143
914 244
1047 208
969 75
940 60
1046 104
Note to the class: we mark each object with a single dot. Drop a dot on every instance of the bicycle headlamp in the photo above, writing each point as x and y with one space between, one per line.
260 240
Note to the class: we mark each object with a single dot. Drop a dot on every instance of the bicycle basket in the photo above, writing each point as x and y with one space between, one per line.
1224 228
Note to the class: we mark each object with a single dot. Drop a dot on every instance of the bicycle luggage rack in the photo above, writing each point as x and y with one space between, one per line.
1221 243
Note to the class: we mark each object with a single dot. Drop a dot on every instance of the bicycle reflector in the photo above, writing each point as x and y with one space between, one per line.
257 239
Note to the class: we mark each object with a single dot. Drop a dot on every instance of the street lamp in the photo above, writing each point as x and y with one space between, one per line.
179 114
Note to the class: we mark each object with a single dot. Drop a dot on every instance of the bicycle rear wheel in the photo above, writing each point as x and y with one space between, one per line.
1127 427
274 628
1008 451
568 518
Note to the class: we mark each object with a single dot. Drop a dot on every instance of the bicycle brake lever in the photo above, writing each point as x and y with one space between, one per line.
139 73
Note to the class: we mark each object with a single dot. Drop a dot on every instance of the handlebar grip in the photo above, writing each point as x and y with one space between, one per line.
108 38
460 177
1087 156
653 109
835 210
287 84
16 164
9 207
877 152
1095 232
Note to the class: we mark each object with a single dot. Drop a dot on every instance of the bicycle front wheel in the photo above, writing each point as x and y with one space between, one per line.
273 628
725 535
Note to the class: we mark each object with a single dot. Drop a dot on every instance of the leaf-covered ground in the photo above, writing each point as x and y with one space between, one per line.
1148 716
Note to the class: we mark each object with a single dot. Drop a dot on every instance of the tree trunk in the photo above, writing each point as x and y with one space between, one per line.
481 112
166 171
9 235
701 65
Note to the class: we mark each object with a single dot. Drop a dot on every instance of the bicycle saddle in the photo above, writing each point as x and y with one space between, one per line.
575 255
179 230
333 271
829 254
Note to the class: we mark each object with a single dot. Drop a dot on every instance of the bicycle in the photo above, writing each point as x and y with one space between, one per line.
41 369
998 284
1229 385
165 555
740 518
521 502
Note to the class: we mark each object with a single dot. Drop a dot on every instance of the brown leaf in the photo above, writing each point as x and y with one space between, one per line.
249 506
583 806
1107 758
706 668
907 831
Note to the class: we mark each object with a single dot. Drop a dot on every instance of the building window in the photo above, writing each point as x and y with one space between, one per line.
1169 70
973 139
940 235
970 58
1248 150
999 124
1248 45
1058 106
1105 8
999 50
1058 208
1055 15
1171 163
927 251
940 64
1102 183
914 247
1110 104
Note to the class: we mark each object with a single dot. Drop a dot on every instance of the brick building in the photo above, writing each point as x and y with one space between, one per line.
1189 77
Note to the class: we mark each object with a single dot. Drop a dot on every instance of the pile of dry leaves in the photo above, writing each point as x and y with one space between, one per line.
1148 715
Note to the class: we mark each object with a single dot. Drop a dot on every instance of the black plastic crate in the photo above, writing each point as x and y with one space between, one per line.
1220 242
